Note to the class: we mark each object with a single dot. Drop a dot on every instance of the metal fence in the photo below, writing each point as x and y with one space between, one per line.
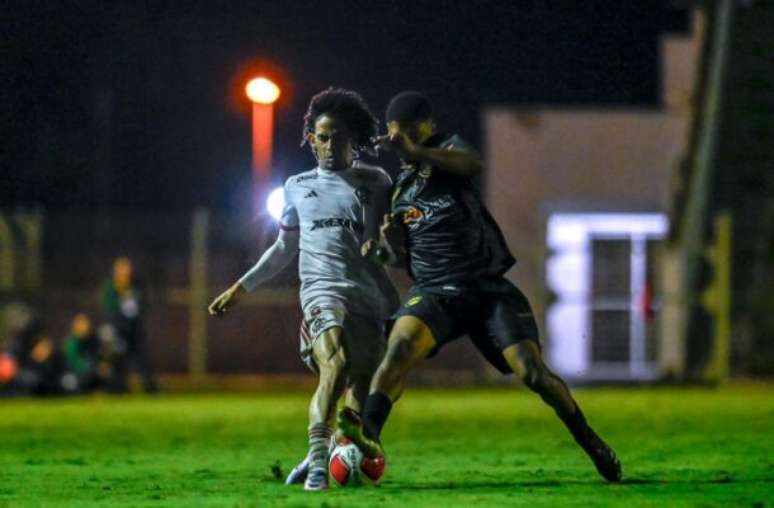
183 261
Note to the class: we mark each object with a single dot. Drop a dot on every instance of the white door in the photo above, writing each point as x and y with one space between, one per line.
600 324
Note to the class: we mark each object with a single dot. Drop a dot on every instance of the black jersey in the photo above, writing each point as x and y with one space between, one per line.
450 235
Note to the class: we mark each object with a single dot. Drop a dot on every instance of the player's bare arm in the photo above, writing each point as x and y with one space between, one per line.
226 300
458 162
392 239
390 248
272 262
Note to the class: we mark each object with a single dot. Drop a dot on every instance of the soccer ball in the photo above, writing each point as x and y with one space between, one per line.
348 466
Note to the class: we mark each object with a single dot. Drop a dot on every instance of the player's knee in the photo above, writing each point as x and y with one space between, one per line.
535 375
527 365
531 371
400 352
531 377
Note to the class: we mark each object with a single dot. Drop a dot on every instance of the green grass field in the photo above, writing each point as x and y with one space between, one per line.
679 447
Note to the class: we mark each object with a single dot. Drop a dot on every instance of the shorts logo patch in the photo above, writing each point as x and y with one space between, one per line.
413 301
316 326
319 323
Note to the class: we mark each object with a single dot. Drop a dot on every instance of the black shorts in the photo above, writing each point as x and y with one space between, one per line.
492 312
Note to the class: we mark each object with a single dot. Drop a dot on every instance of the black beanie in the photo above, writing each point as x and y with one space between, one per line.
407 107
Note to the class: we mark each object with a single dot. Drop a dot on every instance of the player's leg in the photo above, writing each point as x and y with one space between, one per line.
143 363
507 323
365 342
330 358
526 361
119 373
357 392
411 340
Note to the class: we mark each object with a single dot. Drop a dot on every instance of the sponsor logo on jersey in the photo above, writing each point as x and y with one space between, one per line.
311 194
310 176
412 214
413 301
337 223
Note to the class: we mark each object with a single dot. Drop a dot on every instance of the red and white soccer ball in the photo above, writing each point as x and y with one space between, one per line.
348 466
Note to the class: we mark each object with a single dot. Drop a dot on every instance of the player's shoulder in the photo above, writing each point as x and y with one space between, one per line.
373 174
452 141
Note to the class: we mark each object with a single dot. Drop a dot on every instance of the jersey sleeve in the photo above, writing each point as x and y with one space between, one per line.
289 218
455 142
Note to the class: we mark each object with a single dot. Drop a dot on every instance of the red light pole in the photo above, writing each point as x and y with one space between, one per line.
263 93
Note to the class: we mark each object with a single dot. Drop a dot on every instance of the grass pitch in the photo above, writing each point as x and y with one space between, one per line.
679 447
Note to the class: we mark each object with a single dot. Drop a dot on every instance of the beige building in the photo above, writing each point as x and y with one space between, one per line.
580 196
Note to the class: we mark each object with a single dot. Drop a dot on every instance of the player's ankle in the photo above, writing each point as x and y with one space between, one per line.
375 413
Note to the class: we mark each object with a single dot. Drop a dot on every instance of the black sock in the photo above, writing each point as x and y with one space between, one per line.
578 427
375 412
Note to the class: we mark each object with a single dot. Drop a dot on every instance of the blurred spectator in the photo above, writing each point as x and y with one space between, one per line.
82 350
31 365
122 301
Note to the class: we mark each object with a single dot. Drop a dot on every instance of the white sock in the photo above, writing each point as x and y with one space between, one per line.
319 441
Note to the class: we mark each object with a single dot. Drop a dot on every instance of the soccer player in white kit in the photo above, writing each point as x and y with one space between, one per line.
330 211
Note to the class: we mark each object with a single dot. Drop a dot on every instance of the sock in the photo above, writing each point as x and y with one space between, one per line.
375 412
578 427
319 440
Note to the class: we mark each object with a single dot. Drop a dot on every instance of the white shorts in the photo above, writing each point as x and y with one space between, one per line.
363 339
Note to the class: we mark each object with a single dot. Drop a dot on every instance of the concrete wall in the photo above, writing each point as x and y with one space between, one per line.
543 161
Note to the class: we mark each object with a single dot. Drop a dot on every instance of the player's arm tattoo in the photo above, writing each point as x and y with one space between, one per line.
273 261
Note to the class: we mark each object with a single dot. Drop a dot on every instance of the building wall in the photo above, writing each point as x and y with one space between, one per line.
543 161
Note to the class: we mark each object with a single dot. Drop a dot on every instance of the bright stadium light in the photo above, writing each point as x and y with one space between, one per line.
275 203
262 91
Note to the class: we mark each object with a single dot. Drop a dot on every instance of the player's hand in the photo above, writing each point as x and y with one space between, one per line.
225 300
368 248
390 232
398 143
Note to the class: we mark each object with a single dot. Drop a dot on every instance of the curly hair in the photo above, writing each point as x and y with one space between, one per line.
347 106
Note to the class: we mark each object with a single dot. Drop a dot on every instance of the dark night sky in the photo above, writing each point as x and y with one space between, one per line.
180 130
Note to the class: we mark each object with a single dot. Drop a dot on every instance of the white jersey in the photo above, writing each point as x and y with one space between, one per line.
335 212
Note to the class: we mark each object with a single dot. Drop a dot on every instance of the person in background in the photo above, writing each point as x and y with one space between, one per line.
81 351
31 365
122 301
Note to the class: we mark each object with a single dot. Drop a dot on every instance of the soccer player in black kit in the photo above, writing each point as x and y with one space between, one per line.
441 232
